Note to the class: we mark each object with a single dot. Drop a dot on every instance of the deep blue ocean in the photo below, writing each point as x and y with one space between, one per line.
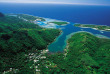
73 13
85 14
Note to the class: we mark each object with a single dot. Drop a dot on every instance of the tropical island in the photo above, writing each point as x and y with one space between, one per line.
23 46
97 27
59 22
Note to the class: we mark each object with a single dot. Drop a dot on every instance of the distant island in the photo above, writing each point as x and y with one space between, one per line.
97 27
59 22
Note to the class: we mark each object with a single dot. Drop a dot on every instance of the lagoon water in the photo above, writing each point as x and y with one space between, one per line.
84 14
60 43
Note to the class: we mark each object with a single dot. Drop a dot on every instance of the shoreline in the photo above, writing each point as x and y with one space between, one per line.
55 20
54 41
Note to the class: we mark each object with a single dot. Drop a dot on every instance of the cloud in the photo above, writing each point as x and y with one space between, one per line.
82 2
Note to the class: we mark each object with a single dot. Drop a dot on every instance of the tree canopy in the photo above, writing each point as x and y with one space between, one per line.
19 38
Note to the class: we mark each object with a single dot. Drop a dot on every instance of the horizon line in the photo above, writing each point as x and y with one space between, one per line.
29 2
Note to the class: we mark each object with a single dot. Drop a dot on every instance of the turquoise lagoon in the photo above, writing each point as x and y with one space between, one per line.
60 43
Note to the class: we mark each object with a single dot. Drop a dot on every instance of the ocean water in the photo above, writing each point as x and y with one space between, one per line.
84 14
72 13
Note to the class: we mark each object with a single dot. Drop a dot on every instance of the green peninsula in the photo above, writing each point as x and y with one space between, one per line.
59 23
97 27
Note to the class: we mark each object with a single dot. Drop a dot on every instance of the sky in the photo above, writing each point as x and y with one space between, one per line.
83 2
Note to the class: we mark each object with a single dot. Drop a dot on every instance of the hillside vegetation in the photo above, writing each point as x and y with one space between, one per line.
91 54
19 38
85 54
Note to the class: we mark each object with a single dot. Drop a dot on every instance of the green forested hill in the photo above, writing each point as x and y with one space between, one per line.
86 54
91 54
17 39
